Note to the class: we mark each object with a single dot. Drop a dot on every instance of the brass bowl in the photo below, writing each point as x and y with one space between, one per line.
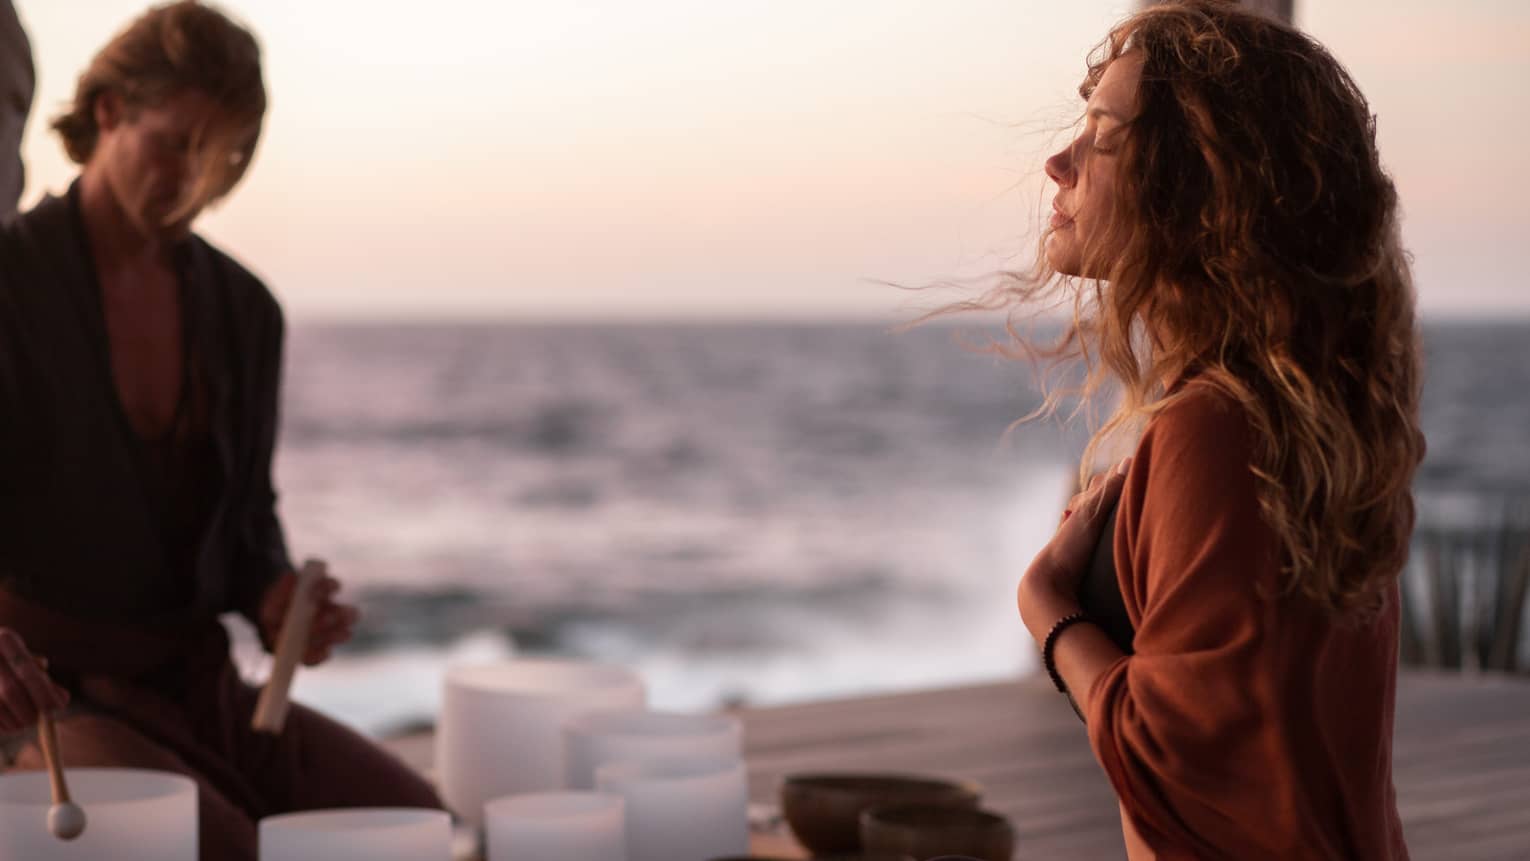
819 858
824 809
925 832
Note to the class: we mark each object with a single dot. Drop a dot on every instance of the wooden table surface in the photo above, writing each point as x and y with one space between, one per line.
1461 759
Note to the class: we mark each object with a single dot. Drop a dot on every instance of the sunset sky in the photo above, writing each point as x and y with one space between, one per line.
744 158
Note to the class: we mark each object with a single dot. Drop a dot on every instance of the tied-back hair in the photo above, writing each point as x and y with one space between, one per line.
1253 244
168 50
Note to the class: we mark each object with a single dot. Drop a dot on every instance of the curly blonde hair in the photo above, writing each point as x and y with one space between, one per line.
1253 243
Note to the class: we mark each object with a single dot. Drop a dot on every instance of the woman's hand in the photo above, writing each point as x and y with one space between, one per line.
333 622
25 688
1049 589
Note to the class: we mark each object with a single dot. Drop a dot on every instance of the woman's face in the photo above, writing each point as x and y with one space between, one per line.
1085 171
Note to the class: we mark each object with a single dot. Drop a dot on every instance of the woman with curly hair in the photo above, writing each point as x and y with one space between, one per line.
1229 239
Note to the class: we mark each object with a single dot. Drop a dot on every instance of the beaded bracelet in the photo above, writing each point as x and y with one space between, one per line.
1048 647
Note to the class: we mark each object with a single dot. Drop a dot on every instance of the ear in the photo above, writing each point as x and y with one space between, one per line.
108 110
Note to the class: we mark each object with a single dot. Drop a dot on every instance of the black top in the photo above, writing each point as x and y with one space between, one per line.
182 481
94 520
1099 593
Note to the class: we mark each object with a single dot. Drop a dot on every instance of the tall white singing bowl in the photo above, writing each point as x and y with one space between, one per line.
566 826
501 729
358 834
678 809
593 740
130 815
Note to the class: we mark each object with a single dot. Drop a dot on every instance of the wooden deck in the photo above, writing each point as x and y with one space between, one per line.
1461 761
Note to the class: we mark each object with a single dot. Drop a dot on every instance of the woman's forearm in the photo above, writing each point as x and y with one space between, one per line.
1082 652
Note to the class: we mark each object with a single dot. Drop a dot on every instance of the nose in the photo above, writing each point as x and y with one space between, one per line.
1061 167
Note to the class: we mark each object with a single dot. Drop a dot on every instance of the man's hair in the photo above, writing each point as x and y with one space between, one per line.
169 50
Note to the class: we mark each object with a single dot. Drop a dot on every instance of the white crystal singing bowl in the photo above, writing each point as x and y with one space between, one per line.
695 807
358 834
568 826
593 740
501 728
131 814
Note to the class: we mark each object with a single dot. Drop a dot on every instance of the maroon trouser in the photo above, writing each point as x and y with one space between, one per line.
191 715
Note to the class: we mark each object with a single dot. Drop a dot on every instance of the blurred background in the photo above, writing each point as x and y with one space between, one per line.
591 347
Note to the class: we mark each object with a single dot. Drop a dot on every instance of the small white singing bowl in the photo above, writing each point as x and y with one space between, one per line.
501 726
568 826
696 807
357 834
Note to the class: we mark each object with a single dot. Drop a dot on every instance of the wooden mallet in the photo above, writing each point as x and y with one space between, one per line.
66 820
271 710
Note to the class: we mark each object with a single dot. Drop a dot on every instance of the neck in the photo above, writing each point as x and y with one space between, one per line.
115 241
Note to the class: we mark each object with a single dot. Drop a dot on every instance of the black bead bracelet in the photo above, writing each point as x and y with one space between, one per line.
1048 647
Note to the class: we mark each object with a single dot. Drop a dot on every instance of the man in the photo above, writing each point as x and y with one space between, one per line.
139 384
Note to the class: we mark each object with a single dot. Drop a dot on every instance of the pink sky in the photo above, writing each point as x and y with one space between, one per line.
682 158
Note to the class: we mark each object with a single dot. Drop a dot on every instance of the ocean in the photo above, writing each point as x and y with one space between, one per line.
743 513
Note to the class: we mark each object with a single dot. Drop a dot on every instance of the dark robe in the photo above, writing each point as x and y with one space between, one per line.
119 553
76 506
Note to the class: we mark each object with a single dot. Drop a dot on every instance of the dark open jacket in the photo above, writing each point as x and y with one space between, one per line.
76 534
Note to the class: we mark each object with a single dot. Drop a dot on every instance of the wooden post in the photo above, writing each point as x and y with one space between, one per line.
1512 590
1282 10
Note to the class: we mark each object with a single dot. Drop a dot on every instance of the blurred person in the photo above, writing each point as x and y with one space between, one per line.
17 80
1229 243
140 381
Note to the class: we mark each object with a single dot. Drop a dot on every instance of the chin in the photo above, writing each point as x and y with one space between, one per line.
176 232
1063 257
153 223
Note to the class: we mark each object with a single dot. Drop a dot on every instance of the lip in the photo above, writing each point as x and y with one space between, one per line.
1060 218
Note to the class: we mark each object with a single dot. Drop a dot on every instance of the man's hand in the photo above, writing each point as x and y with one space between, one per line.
333 622
25 688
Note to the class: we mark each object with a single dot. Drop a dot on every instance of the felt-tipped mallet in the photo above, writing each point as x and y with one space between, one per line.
66 820
271 710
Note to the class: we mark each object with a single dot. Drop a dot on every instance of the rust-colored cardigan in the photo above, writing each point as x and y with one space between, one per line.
1243 727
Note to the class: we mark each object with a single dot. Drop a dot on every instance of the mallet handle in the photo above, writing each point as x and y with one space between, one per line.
271 710
47 738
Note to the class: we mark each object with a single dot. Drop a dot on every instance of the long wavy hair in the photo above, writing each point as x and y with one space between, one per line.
1253 243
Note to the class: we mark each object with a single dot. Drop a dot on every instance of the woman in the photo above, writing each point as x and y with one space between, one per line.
1232 239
